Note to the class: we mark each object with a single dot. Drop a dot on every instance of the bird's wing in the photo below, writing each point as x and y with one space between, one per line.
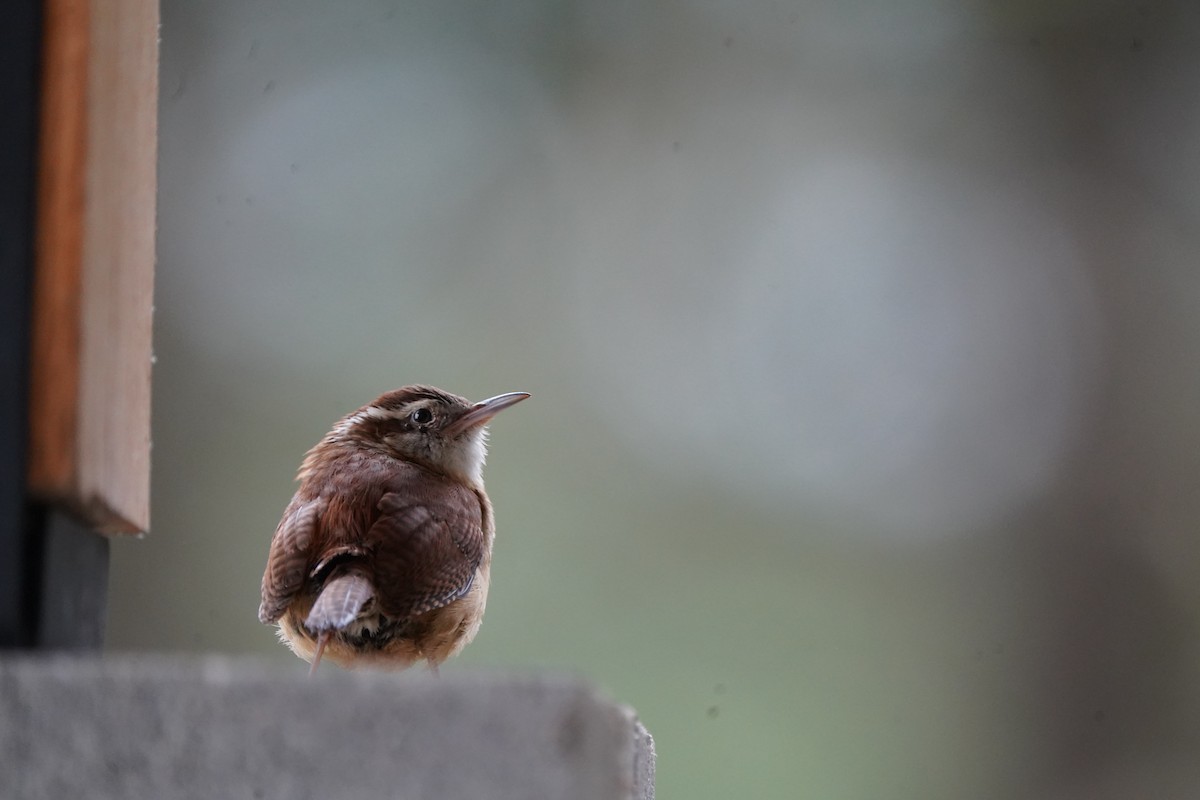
426 548
288 560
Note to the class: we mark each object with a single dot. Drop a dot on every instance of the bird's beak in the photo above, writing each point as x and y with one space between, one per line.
482 412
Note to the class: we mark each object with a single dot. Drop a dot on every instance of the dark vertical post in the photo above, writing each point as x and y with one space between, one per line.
72 573
20 50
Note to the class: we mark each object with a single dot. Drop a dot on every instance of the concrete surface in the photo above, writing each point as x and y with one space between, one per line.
173 728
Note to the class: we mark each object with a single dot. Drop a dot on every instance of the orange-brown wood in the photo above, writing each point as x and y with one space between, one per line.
89 446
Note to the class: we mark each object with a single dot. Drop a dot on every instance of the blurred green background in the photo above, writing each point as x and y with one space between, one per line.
863 457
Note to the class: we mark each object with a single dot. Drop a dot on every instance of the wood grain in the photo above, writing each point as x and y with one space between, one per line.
89 446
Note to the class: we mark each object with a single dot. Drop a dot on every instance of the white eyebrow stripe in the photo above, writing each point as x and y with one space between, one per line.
375 412
370 412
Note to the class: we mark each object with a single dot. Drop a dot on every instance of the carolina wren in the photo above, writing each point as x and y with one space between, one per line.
383 556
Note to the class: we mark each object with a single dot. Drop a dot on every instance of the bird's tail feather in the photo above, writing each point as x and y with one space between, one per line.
338 605
322 640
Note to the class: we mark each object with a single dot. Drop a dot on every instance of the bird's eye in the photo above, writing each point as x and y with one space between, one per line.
422 416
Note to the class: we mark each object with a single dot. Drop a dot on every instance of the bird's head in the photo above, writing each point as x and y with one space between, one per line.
439 430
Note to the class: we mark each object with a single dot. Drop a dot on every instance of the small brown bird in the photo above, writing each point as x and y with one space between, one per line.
383 557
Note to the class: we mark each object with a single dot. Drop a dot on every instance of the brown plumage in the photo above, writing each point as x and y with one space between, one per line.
384 554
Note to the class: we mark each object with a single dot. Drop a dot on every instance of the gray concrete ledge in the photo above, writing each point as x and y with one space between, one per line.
175 728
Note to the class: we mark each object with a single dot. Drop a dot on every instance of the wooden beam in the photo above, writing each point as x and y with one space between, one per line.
94 254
